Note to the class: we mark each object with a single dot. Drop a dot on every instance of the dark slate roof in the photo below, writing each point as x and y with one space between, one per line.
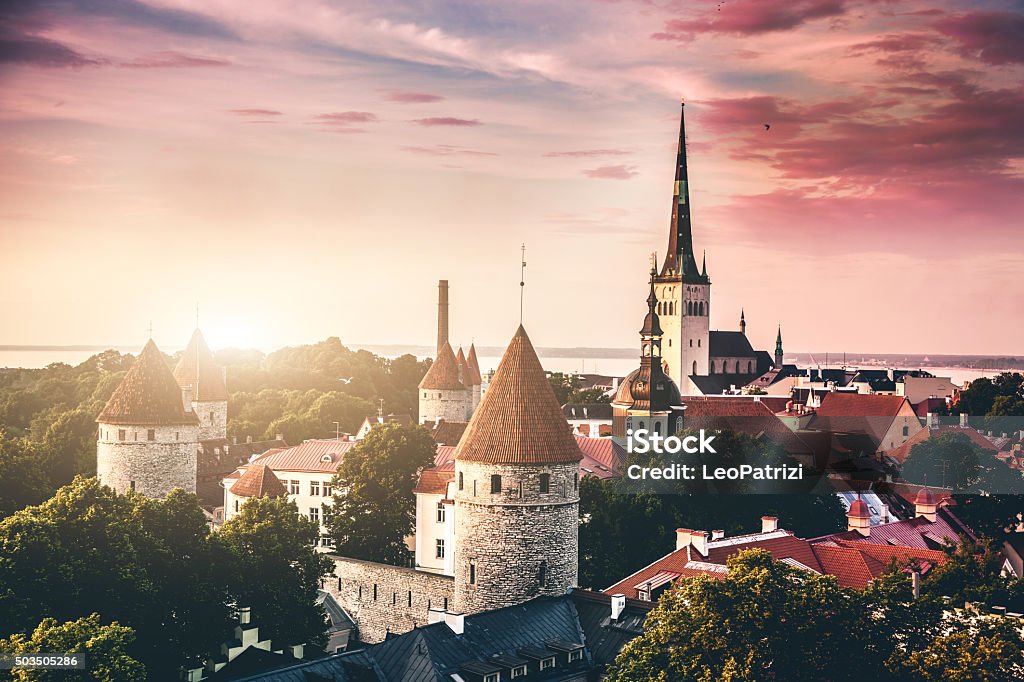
729 345
353 666
606 638
587 410
716 384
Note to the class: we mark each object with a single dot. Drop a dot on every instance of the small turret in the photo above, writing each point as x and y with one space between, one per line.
858 518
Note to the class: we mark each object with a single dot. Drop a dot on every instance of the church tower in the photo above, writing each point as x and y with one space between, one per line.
684 289
778 349
647 398
148 435
198 370
517 473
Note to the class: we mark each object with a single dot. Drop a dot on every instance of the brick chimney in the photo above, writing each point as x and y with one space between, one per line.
717 534
964 421
769 524
442 313
699 541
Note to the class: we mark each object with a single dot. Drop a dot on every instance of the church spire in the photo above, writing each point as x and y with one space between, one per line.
778 348
743 322
680 258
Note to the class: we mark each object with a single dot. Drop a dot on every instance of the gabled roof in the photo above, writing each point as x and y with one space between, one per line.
475 378
725 344
916 533
448 433
858 413
464 371
434 481
148 395
312 456
197 368
746 414
443 375
519 420
901 453
258 481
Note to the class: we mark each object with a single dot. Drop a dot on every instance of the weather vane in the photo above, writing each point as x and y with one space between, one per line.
522 282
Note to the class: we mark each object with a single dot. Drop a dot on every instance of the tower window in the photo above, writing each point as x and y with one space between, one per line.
135 435
542 573
495 484
545 482
375 592
236 501
131 485
461 481
440 512
694 372
472 573
211 417
151 434
474 487
576 481
439 549
698 343
691 343
121 434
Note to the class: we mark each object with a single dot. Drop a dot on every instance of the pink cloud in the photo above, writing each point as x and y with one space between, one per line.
587 153
254 112
751 17
447 121
411 97
620 172
992 37
445 150
173 60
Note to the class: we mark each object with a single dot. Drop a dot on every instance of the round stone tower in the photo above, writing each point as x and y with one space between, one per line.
517 472
442 393
197 370
148 436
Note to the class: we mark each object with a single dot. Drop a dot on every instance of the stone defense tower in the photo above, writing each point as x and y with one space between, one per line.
683 289
148 435
442 393
517 473
476 379
197 370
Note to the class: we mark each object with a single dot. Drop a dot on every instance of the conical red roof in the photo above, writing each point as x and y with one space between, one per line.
259 481
859 509
519 420
474 367
148 395
443 375
464 373
198 369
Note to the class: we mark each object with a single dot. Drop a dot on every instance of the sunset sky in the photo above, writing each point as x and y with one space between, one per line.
307 169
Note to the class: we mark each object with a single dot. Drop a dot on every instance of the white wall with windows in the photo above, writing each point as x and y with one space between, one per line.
435 532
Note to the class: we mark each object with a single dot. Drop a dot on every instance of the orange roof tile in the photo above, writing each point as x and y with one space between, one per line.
197 368
475 378
258 481
435 481
448 433
519 420
464 371
443 375
148 395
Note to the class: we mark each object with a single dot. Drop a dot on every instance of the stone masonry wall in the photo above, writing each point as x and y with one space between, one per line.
215 427
518 543
156 467
451 406
382 599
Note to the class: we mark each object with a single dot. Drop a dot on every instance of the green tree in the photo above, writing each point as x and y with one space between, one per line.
949 459
105 648
972 649
24 480
69 444
277 570
563 385
764 620
374 506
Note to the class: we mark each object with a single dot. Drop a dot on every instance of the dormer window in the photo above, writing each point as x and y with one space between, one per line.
326 458
519 671
575 656
547 663
493 677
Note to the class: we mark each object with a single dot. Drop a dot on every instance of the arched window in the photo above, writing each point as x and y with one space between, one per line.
641 424
701 312
689 307
691 343
657 427
694 368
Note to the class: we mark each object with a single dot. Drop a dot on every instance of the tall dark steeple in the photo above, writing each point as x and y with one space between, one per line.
778 348
680 259
743 322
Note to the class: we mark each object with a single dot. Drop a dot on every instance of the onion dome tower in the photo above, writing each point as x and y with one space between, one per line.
148 435
517 473
198 369
683 289
476 380
648 398
442 395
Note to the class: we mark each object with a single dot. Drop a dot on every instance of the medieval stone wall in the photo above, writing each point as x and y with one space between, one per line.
449 405
517 543
382 599
151 467
213 419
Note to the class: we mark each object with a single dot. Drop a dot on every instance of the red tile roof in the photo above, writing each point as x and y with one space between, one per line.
148 395
312 456
448 433
475 378
858 413
258 481
901 453
435 480
443 375
519 420
197 368
741 414
917 533
601 456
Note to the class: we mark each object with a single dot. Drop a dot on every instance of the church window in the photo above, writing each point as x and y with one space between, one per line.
701 308
641 424
439 550
472 574
657 427
121 434
314 488
440 512
545 482
461 481
495 484
542 573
